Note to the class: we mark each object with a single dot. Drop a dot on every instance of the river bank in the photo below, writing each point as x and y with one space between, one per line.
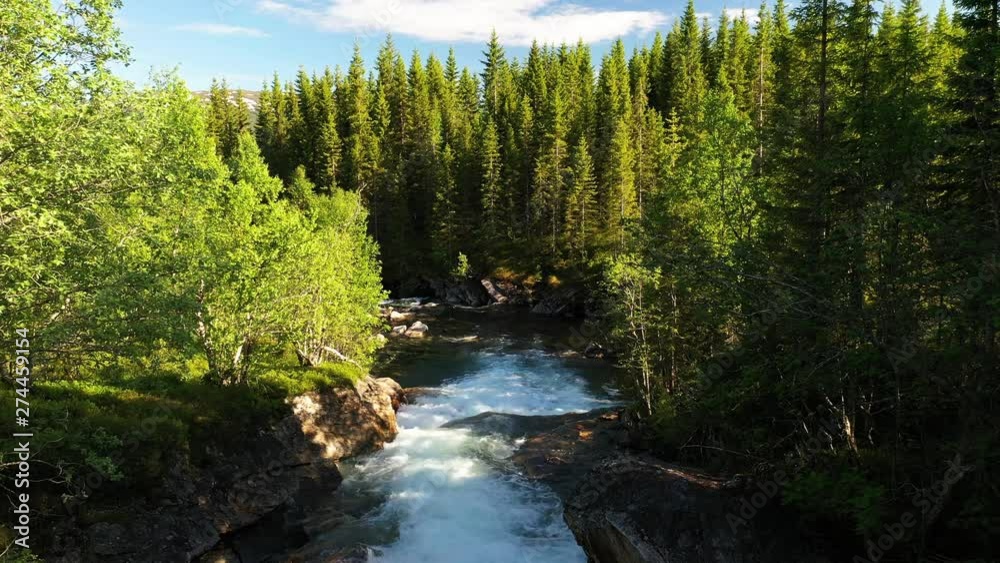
505 445
198 508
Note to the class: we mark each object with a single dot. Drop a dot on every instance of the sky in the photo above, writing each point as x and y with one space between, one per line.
246 41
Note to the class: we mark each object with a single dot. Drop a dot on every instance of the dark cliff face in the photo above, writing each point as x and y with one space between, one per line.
288 465
627 507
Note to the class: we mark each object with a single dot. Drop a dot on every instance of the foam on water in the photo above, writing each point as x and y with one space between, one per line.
446 489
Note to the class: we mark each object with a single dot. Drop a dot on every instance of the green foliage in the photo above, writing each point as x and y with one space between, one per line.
127 422
19 555
461 269
845 494
336 307
794 222
145 245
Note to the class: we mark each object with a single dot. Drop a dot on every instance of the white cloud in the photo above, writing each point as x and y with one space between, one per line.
737 13
517 22
220 29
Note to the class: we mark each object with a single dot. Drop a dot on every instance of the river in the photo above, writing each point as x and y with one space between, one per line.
442 495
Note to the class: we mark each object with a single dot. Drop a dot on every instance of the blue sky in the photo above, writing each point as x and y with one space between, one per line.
245 41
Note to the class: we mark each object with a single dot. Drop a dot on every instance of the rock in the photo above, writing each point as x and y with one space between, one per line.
381 338
515 294
417 330
348 422
411 394
195 507
468 292
561 302
396 316
401 329
393 390
631 508
594 350
563 454
516 425
358 554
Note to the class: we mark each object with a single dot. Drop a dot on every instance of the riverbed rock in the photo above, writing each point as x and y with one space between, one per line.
400 329
634 509
349 422
417 330
628 507
411 394
516 425
396 316
563 454
196 507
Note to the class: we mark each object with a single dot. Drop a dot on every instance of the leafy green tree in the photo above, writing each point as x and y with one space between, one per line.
242 298
336 311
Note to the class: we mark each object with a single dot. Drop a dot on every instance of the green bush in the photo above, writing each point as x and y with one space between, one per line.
843 493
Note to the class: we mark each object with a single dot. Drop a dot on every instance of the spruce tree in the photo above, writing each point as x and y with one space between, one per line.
688 84
620 202
581 220
548 194
494 217
361 150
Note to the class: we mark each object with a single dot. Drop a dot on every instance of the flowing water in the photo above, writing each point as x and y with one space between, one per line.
441 495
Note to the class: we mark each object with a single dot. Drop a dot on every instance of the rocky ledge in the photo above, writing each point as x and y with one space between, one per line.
214 513
628 507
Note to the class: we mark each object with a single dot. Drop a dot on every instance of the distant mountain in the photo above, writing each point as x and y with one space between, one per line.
250 97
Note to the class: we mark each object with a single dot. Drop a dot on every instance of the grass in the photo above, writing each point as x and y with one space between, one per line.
124 423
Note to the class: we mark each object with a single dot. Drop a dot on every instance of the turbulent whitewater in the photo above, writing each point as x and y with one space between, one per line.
447 495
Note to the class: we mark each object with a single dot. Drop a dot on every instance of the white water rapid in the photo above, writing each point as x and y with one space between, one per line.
447 492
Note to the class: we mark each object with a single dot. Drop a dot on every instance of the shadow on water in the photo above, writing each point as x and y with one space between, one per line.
458 335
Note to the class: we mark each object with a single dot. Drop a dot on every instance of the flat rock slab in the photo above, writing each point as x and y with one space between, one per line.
517 425
628 507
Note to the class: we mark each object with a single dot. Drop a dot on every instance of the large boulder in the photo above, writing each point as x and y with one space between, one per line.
348 422
467 292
